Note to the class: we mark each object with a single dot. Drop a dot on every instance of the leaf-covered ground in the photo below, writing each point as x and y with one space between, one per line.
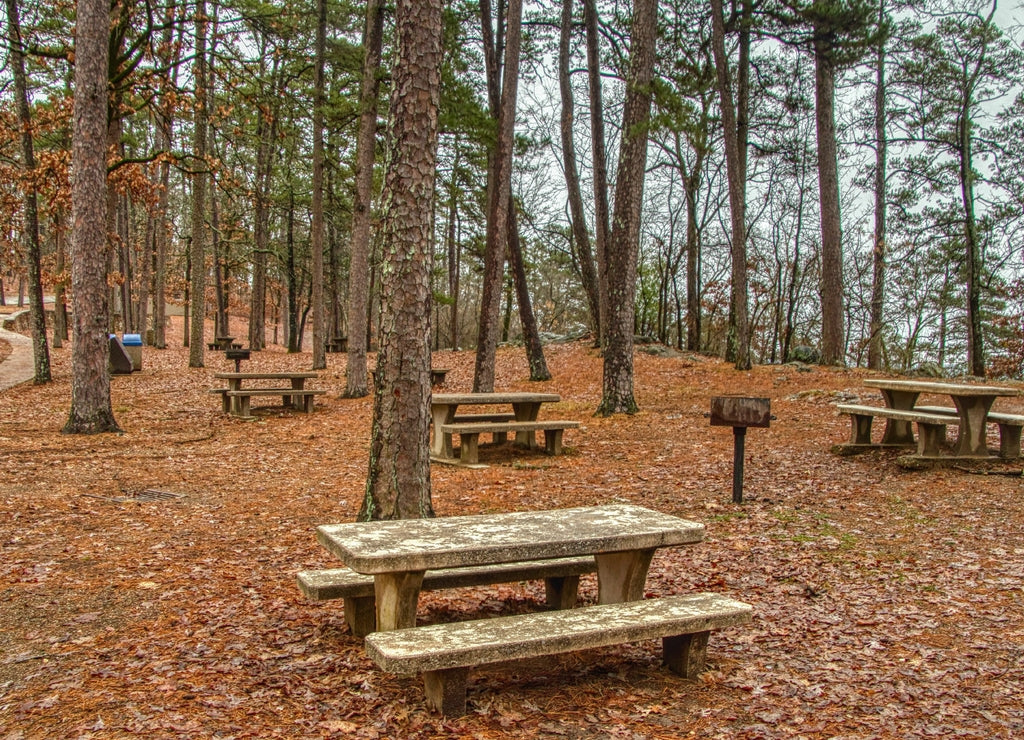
888 603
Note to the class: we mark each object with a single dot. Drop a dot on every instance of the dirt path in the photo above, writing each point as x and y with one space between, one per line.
17 367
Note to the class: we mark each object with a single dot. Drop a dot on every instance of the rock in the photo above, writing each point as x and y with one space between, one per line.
805 354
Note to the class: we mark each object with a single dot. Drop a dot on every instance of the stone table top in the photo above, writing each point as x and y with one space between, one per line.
428 544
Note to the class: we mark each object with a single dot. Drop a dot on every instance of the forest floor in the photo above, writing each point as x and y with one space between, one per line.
888 603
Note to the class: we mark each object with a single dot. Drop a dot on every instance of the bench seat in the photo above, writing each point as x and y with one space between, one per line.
443 653
300 399
931 427
1010 426
469 434
561 583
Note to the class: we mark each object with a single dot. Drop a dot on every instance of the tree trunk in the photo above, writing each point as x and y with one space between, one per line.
197 288
833 350
600 163
531 337
398 484
454 252
60 312
877 317
693 262
499 194
164 128
220 266
91 411
975 335
735 160
580 234
267 134
33 250
620 277
359 265
317 237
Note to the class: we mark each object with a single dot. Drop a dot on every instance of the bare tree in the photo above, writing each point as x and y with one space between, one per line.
580 235
359 266
40 350
499 181
197 249
317 237
619 279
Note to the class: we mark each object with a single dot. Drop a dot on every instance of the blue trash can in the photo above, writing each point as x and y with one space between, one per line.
133 346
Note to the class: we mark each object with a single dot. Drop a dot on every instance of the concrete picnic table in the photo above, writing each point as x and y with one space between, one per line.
443 406
972 402
622 538
234 381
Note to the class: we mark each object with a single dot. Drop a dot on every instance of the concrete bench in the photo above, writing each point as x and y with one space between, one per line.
469 434
291 397
561 583
444 653
497 437
1009 428
437 375
225 402
931 427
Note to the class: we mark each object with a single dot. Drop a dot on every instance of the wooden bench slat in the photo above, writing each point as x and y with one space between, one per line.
445 652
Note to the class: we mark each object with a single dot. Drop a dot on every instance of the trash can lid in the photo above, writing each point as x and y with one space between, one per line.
132 340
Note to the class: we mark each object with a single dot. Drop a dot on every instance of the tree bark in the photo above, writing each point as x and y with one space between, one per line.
197 248
531 337
877 318
91 411
33 249
620 278
735 161
398 484
266 133
500 192
600 161
975 335
317 237
359 265
580 234
833 351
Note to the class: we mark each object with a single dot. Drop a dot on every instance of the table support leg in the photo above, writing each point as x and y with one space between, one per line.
441 444
685 654
396 595
899 432
561 592
972 411
621 575
526 412
446 690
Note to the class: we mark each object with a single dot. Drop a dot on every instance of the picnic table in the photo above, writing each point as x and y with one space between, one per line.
236 399
972 402
622 538
223 342
525 408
